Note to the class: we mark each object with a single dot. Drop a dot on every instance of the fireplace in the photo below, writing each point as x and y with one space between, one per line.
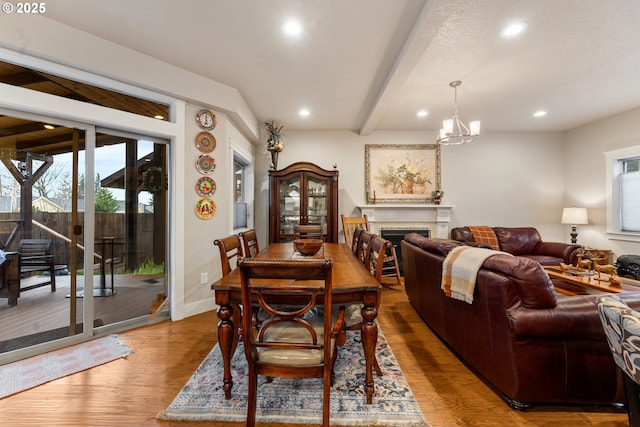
395 236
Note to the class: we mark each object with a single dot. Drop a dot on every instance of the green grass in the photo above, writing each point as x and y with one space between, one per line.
149 267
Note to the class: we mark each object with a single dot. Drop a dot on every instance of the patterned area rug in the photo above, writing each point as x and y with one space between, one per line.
28 373
299 401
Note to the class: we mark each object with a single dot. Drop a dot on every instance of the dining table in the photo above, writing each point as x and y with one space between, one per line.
352 284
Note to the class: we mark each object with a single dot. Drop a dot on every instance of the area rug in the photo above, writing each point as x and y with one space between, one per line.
37 370
299 401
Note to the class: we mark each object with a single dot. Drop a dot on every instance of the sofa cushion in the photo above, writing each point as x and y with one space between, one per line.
517 240
532 282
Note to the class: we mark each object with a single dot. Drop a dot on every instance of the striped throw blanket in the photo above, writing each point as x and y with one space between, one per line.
460 269
484 234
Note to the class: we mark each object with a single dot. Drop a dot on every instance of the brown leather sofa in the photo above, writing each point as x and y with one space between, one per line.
527 242
530 344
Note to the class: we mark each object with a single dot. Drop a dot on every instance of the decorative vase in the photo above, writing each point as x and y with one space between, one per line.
436 201
274 160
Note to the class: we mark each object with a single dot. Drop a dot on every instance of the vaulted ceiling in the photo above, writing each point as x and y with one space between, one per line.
367 65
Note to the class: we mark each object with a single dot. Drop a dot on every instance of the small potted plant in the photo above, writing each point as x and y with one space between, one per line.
437 196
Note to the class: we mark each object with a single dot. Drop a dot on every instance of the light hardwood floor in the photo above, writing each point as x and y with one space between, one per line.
131 391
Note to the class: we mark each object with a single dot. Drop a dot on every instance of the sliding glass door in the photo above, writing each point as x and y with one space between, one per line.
83 229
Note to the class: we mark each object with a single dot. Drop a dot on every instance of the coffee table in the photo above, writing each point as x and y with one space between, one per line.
573 281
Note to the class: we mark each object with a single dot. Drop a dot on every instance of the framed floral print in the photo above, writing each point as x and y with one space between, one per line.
401 173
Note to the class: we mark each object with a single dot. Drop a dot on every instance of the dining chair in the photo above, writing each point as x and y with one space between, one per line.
289 343
362 251
350 224
231 251
250 243
390 268
230 247
355 239
308 232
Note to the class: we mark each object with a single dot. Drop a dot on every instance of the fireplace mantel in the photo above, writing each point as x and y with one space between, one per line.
409 215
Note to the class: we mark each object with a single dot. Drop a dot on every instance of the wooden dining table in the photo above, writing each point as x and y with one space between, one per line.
352 284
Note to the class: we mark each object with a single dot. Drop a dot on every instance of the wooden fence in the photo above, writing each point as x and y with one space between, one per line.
57 226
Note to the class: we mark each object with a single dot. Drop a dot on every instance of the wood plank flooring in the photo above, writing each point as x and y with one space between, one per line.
131 391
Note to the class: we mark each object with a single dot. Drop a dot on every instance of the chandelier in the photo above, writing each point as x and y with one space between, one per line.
453 131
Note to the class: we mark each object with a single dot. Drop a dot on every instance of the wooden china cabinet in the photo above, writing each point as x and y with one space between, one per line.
302 193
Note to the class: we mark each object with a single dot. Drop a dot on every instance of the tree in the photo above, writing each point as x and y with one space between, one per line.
105 202
51 180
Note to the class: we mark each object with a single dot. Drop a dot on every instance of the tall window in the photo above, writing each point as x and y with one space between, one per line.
630 195
240 210
623 199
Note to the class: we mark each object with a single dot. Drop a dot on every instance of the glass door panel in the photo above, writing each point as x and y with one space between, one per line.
40 191
317 202
289 196
130 225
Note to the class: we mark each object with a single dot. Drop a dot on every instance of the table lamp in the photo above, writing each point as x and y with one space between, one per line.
574 216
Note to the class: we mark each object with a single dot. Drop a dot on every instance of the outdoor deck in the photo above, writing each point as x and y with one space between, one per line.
41 310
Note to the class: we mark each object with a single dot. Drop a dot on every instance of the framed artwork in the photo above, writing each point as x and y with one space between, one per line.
401 173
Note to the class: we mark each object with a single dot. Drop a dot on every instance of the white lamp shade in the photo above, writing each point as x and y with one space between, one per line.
575 216
474 128
447 126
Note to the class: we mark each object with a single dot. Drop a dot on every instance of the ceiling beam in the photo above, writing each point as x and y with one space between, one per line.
427 24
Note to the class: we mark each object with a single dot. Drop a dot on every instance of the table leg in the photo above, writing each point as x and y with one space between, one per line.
369 341
227 333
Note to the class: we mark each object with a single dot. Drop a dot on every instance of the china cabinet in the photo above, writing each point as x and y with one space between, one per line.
302 193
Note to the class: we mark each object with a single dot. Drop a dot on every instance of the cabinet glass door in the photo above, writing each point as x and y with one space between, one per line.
317 203
289 197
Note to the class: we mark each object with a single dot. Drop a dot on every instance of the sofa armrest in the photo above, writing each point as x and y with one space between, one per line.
566 251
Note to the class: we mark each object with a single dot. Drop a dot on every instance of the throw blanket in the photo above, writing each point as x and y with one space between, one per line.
484 234
460 269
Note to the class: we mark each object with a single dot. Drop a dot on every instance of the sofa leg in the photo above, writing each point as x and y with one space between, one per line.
516 404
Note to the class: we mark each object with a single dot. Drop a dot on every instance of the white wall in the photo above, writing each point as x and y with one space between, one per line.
501 179
585 175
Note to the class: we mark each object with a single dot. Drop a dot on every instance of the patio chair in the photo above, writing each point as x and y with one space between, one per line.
37 255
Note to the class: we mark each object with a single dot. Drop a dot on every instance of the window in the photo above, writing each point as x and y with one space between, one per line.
630 195
240 211
623 198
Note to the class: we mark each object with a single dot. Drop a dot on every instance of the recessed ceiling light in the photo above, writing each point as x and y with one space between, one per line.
292 28
50 127
540 113
159 117
304 112
422 113
513 29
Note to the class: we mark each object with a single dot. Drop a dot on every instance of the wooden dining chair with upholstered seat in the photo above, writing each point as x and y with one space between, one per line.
230 252
350 224
230 247
288 343
308 232
250 243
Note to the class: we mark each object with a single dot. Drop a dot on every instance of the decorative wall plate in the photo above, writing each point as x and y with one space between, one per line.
205 142
206 120
205 208
205 164
206 186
